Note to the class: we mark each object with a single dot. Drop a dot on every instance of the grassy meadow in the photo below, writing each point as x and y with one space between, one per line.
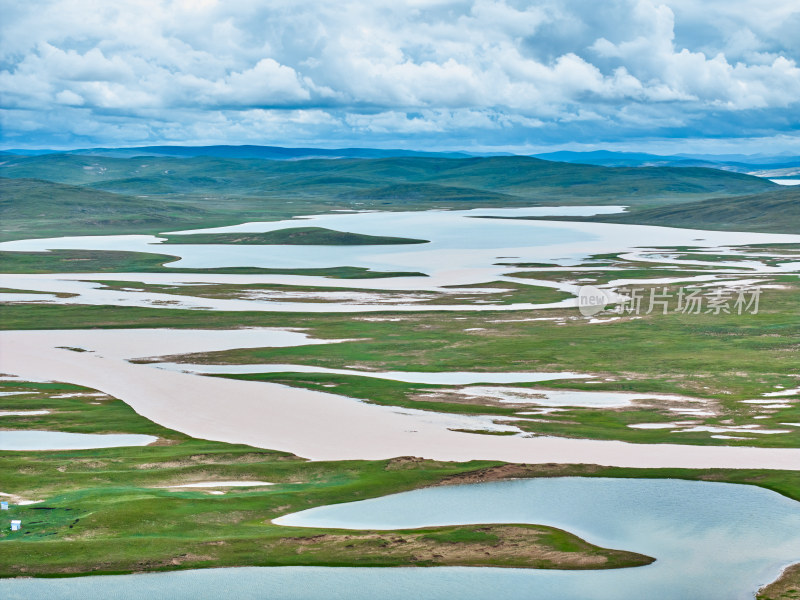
116 512
112 510
64 194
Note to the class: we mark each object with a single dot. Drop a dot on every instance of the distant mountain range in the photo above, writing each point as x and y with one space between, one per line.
761 165
383 180
78 194
263 152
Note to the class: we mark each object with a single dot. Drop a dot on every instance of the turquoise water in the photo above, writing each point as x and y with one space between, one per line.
712 541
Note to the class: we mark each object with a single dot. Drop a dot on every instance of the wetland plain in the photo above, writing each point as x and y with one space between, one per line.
269 367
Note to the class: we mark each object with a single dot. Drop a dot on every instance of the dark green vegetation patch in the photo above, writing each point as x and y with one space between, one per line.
294 236
115 261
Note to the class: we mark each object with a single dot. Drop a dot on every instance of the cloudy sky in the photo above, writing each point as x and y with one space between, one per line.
658 75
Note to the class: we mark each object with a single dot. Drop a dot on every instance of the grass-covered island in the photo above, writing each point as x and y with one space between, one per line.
114 261
293 236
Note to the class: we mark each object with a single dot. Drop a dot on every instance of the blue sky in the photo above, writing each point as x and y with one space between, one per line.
663 76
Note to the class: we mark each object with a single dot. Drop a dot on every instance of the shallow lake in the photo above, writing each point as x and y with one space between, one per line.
60 440
462 249
710 540
713 541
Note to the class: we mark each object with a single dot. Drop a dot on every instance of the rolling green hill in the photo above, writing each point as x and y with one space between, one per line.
63 194
526 179
413 192
776 211
36 208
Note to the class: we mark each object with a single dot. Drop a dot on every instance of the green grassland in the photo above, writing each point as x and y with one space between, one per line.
110 510
724 359
695 354
62 194
292 236
416 192
4 290
773 211
380 179
36 208
114 261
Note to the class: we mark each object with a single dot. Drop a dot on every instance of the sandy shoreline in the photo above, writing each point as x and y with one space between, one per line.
311 424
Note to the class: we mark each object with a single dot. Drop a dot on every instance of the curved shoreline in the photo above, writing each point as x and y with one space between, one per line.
787 583
312 424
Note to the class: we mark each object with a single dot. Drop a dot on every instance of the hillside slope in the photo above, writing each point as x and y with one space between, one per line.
36 208
776 211
527 180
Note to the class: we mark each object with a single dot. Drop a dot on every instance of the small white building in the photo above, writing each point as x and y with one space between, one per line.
16 525
3 505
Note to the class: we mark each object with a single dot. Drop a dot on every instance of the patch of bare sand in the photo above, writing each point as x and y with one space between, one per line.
503 545
786 587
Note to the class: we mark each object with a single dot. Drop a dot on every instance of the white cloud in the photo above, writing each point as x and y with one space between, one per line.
507 70
69 97
682 74
266 83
